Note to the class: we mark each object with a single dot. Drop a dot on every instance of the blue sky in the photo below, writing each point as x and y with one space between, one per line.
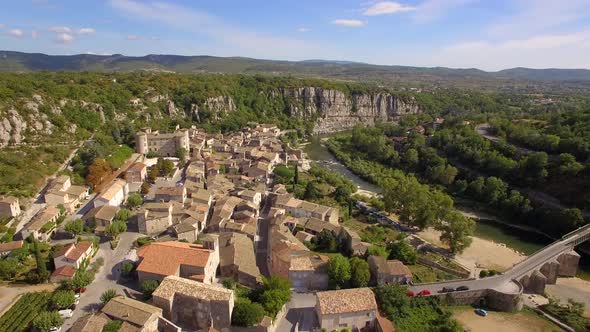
486 34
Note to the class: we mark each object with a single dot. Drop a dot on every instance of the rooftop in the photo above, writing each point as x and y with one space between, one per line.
346 301
172 285
165 258
129 310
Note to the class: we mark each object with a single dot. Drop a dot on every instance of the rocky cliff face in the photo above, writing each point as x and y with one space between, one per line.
334 110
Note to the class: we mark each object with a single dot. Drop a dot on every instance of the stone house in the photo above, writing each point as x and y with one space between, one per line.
304 209
237 259
355 309
167 194
61 191
136 173
101 217
75 254
9 207
162 144
42 226
136 315
161 259
114 194
154 218
193 305
388 271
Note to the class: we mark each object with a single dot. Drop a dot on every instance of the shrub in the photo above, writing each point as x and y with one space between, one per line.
46 320
108 295
246 313
147 287
62 299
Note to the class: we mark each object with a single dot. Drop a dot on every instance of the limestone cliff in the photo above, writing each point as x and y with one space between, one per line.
334 110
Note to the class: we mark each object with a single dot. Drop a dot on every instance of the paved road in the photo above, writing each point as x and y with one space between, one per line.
106 278
261 244
301 311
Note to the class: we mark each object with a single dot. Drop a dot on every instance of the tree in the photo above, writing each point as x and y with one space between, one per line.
63 299
9 267
311 192
403 251
97 172
276 291
46 320
81 279
75 227
108 295
325 241
145 188
153 174
342 194
115 228
134 200
457 231
42 272
246 313
296 176
568 165
339 271
147 287
123 215
181 153
360 273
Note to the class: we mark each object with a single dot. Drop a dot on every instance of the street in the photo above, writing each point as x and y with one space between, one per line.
301 313
106 278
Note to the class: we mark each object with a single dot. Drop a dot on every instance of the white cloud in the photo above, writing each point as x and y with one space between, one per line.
387 7
568 50
64 38
34 34
303 29
431 10
60 29
349 22
18 33
227 38
132 37
86 31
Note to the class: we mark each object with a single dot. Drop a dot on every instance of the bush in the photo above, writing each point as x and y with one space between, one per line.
107 295
127 269
62 299
134 200
112 326
246 313
75 227
229 283
46 320
339 271
147 287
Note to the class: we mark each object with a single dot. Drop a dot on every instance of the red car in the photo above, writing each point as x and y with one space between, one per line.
410 293
424 292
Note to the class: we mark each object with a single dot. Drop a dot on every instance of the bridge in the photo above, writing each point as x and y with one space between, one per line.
540 268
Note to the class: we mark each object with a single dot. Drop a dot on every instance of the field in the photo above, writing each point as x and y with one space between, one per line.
24 311
524 321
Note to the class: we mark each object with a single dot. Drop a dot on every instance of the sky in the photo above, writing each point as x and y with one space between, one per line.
485 34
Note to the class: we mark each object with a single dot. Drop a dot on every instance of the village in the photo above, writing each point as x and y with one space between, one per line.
193 222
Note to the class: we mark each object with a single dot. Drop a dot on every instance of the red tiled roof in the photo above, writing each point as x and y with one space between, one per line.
11 246
165 258
74 251
64 271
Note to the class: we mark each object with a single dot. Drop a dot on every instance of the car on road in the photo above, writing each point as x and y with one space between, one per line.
424 292
55 329
66 313
447 290
462 288
410 293
481 312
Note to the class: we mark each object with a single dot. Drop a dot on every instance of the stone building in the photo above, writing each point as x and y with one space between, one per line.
162 144
135 315
193 305
9 207
388 271
355 309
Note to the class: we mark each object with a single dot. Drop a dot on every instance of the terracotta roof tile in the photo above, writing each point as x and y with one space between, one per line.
346 301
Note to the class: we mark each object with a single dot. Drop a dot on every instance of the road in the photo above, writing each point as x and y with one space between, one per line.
301 312
504 281
261 243
106 278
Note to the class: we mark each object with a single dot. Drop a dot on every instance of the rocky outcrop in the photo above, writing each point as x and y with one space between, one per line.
12 128
171 109
334 110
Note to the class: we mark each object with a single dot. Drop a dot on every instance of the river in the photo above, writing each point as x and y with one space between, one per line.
520 240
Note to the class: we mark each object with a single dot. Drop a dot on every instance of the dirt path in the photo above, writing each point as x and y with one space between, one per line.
502 321
571 288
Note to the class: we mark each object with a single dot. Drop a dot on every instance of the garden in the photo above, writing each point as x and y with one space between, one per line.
24 311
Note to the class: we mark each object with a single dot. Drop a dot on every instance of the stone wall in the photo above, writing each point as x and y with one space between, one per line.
485 297
464 273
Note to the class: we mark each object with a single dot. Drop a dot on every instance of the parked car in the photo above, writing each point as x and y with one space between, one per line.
481 312
462 288
66 313
447 290
55 329
424 292
410 293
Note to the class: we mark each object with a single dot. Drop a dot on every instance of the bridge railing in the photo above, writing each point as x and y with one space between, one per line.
576 231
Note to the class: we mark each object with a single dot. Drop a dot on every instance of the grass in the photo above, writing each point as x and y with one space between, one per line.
424 274
119 155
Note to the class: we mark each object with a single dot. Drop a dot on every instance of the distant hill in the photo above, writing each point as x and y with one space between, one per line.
344 70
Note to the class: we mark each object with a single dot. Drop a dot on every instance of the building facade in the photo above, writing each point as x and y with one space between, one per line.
162 144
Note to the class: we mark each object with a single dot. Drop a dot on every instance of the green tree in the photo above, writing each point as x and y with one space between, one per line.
339 271
75 226
325 241
360 273
403 251
127 268
311 192
46 320
181 153
63 299
134 200
568 165
42 272
145 188
457 231
108 295
81 279
147 287
246 313
115 228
